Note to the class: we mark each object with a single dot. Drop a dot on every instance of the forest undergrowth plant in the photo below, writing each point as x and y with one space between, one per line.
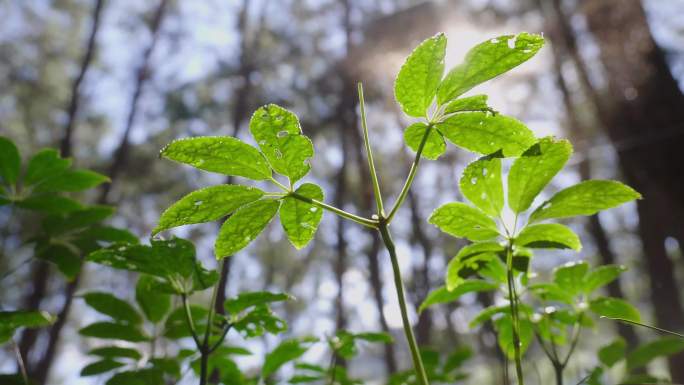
503 246
283 149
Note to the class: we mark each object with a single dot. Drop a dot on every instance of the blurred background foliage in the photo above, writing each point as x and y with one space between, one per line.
110 82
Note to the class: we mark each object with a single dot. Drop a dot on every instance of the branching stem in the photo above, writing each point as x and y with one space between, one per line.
369 153
513 301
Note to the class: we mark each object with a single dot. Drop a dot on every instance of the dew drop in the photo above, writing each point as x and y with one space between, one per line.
279 117
197 203
278 154
484 172
375 217
494 41
313 209
473 180
512 41
282 134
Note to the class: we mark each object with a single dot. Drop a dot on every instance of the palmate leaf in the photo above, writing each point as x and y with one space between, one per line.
259 321
485 133
464 221
486 61
614 308
300 219
206 205
601 276
481 184
243 226
44 164
570 277
116 308
585 198
221 154
10 161
416 84
504 326
534 169
476 103
288 350
443 295
280 138
548 236
434 144
471 257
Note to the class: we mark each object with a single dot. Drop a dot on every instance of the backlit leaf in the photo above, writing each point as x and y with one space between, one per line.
476 103
614 308
434 144
610 354
280 138
585 198
206 205
464 221
548 236
471 257
288 350
300 219
249 299
485 133
534 169
646 353
100 367
154 304
481 184
44 164
243 226
221 154
116 308
442 295
116 352
71 180
10 321
602 276
504 326
570 277
116 331
416 84
486 61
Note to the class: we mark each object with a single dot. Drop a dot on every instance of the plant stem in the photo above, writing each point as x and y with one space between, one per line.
188 319
512 300
558 369
399 285
411 175
20 362
373 224
646 326
204 349
369 153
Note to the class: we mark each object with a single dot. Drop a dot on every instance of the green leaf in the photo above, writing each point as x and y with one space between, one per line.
300 219
236 305
416 84
116 331
221 154
116 308
49 203
585 198
154 304
147 376
570 276
434 144
10 321
504 326
610 354
481 184
534 169
470 258
10 161
553 292
164 258
116 352
280 138
487 313
548 236
614 308
44 164
71 180
486 61
76 219
206 205
602 276
243 226
476 103
486 134
376 337
63 257
443 295
288 350
100 367
259 321
464 221
167 365
176 325
646 353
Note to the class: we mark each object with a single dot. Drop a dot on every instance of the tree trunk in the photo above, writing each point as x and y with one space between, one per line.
644 119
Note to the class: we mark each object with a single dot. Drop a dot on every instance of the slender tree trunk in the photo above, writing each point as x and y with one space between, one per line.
557 28
644 119
41 272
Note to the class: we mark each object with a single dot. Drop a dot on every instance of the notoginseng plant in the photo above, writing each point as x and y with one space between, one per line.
503 247
283 151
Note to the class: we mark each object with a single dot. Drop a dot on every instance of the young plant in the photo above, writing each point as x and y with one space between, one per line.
501 250
422 92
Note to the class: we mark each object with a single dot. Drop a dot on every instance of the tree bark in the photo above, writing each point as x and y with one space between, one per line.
644 119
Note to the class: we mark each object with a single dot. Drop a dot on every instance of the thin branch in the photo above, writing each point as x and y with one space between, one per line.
369 153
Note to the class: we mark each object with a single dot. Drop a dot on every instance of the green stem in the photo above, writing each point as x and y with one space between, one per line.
512 300
399 285
20 362
188 319
644 325
369 153
373 224
411 175
205 349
